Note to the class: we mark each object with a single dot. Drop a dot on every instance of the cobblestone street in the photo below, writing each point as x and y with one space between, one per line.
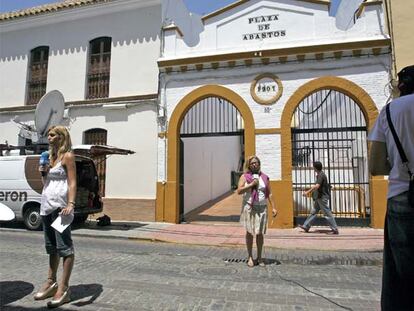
111 274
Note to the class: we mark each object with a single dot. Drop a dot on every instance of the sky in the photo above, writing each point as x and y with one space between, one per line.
198 6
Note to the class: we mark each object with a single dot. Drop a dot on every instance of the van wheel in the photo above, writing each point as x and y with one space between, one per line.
32 219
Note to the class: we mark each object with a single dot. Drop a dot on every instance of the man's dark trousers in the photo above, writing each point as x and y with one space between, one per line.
398 266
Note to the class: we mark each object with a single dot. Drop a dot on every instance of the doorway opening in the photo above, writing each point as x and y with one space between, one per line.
211 161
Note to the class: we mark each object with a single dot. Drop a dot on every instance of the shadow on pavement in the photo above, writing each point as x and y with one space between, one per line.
15 290
118 226
81 291
21 308
11 291
269 261
12 224
213 218
90 225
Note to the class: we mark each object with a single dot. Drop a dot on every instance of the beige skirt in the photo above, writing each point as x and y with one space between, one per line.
254 218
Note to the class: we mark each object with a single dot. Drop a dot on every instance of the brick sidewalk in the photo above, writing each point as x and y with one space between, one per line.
366 239
319 238
231 235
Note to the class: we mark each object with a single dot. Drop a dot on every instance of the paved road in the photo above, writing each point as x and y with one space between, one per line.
135 275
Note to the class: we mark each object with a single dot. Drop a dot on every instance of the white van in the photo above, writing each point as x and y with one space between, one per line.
21 188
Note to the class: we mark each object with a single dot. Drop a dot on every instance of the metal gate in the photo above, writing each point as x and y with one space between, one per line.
328 126
212 116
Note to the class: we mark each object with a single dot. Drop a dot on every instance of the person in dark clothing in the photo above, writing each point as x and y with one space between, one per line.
385 159
320 193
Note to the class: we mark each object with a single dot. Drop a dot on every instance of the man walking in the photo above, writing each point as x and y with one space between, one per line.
385 159
321 194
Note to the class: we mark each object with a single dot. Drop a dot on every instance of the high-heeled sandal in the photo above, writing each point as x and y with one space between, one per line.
65 298
250 263
47 293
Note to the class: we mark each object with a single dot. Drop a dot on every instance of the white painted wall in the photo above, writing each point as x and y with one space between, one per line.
134 27
208 162
370 73
135 48
135 128
303 23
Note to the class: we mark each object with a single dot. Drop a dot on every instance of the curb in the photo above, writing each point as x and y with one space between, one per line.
227 245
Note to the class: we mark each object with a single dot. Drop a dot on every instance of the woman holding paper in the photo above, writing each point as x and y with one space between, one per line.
254 185
58 199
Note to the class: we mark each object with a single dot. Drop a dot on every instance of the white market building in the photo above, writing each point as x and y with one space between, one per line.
303 91
253 71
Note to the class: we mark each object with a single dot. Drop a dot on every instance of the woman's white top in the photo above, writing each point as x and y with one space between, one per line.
55 190
247 196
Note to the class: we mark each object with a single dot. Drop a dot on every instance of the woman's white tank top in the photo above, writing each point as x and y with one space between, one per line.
55 190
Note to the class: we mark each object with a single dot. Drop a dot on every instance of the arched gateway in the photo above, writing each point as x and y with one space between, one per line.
295 136
168 196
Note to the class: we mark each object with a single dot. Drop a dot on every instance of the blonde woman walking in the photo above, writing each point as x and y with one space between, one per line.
58 197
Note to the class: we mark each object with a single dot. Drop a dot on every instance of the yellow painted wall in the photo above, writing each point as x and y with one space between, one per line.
402 25
283 199
379 189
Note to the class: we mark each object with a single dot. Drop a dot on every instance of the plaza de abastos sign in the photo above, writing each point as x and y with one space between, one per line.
264 28
266 89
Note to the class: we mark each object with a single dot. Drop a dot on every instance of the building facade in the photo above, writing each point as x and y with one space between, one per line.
274 78
102 56
305 91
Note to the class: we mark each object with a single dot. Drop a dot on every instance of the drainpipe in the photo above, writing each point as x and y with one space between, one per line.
390 26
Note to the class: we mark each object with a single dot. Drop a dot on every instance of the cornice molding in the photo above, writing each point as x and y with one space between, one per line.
299 50
174 27
87 102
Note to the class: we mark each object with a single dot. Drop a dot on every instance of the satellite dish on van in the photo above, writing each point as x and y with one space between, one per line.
49 112
6 214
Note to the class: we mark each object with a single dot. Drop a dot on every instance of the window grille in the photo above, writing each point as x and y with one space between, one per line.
36 85
99 68
212 116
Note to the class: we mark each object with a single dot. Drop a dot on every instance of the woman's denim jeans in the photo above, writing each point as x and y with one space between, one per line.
398 266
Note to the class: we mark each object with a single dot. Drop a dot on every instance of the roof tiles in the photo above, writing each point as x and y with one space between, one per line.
47 8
